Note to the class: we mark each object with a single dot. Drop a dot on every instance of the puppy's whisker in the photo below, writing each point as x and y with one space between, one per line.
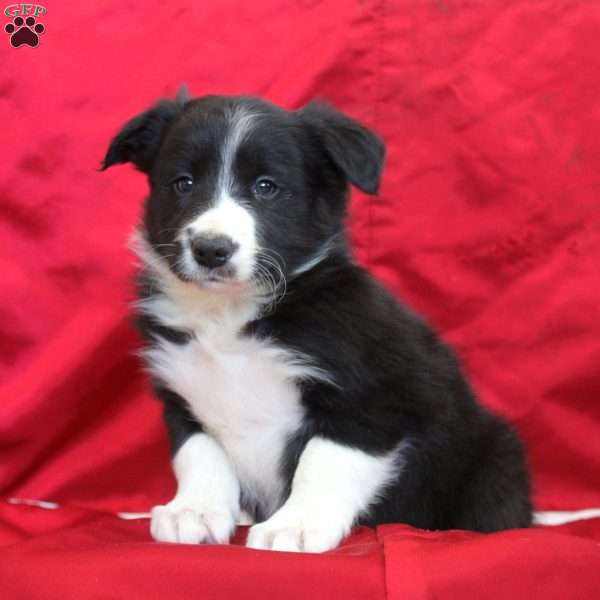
275 288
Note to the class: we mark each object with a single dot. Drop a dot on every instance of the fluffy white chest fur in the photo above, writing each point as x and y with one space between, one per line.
242 390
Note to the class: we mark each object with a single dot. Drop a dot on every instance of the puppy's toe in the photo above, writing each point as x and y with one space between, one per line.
190 527
163 526
220 525
320 540
287 540
293 536
187 524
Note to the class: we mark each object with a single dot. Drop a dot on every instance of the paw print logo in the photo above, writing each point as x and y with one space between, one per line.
24 31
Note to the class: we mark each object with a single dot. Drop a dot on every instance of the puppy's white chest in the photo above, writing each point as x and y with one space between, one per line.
244 392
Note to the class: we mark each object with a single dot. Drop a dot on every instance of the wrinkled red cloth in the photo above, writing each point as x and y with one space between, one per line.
488 223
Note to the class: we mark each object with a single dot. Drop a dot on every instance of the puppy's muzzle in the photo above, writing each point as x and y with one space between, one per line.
212 251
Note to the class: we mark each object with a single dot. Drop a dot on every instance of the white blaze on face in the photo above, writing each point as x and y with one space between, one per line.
227 217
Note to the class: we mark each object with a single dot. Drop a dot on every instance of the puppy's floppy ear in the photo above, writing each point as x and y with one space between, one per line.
354 149
139 140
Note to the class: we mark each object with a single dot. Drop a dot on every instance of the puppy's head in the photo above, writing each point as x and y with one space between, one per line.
241 190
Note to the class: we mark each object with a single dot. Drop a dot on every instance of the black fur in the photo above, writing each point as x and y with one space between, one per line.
353 148
180 422
139 139
463 467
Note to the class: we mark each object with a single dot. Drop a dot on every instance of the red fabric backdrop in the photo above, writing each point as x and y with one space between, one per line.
488 222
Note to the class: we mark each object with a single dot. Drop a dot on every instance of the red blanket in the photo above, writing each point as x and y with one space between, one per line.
488 223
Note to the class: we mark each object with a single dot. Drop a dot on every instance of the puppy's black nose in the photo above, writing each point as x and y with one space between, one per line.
213 251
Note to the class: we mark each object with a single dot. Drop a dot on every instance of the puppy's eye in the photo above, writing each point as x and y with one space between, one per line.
265 188
183 185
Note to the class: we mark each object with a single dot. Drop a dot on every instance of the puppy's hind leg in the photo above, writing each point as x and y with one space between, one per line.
497 494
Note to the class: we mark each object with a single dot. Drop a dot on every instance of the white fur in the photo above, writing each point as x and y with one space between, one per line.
206 506
243 390
241 123
332 486
232 220
226 217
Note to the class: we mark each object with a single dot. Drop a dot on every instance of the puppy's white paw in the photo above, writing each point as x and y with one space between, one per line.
191 524
290 531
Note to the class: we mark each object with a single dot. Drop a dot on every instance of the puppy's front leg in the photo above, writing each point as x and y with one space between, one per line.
333 484
206 506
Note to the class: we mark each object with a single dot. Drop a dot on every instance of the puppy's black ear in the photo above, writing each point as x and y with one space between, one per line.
183 95
140 138
354 149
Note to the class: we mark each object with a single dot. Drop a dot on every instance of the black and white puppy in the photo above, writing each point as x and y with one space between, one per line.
295 387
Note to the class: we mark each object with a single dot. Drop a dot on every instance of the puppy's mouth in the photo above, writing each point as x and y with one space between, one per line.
176 258
220 278
217 281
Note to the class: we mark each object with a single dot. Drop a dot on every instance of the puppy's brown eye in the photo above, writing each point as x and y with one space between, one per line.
265 188
183 185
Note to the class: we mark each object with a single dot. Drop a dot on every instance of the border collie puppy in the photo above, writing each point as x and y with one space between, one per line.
295 387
